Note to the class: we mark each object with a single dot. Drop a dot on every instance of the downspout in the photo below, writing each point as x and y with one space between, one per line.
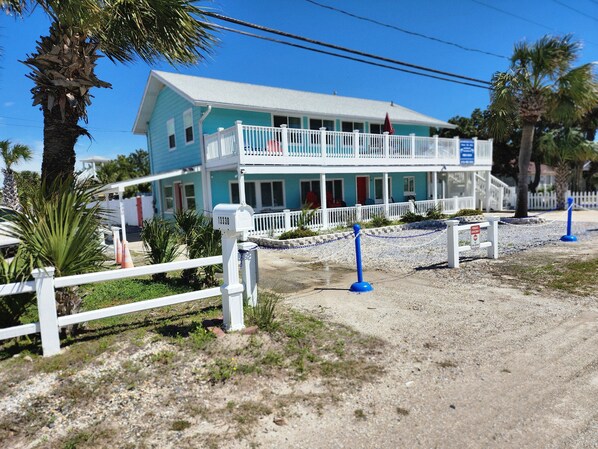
206 185
156 184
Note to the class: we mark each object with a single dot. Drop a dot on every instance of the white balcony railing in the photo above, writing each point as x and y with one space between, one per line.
265 145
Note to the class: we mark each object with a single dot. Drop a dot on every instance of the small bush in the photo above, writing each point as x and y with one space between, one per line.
297 234
467 213
161 242
264 313
412 217
379 221
435 213
13 307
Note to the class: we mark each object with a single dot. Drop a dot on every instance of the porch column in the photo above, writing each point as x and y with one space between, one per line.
435 187
385 195
323 205
241 178
488 187
121 208
473 188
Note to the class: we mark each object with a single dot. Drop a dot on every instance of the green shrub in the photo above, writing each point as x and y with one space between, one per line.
264 313
307 216
160 241
412 217
379 220
435 213
467 213
297 234
205 241
13 307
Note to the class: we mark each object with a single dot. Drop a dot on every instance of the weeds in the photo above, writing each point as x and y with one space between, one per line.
264 313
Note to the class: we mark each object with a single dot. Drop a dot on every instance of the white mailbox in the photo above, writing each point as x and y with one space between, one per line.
233 217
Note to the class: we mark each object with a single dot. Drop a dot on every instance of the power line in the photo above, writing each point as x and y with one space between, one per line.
513 15
344 49
558 2
350 58
403 30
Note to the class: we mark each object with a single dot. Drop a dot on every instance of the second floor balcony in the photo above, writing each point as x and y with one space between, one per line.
263 145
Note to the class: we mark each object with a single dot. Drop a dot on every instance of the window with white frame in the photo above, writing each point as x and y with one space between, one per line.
188 124
168 198
349 127
334 187
317 123
170 133
189 196
376 128
260 195
378 192
409 185
291 122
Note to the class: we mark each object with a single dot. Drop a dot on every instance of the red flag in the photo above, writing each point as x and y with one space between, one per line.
388 126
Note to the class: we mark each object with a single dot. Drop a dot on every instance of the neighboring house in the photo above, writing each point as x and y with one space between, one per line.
212 141
90 169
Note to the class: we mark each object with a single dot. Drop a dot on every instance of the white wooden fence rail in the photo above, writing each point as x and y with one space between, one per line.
45 284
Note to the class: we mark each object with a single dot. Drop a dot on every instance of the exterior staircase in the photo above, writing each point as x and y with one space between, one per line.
499 196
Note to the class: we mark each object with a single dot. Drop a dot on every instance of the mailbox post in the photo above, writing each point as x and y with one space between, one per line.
232 220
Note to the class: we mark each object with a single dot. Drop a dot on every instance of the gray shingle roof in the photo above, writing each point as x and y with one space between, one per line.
220 93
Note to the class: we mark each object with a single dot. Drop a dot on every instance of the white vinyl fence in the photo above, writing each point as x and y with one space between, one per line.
547 201
137 210
45 284
275 223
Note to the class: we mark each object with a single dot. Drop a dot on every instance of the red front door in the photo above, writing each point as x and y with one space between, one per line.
362 189
178 197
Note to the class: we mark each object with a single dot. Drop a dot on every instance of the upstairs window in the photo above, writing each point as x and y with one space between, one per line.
376 128
188 123
349 127
316 123
170 132
291 122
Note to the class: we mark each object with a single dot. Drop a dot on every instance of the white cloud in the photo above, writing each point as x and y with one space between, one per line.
8 104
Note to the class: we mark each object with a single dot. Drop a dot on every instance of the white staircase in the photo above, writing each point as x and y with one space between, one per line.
499 196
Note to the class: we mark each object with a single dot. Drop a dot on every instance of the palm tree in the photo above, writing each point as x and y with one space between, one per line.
11 155
541 83
563 148
64 61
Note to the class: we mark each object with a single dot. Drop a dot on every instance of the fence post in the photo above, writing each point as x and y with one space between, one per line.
356 143
232 289
456 204
412 206
386 144
249 271
323 141
285 140
452 239
219 131
358 212
493 237
360 286
435 147
46 309
287 219
412 135
115 240
240 138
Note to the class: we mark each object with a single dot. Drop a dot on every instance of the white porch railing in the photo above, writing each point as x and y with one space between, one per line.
266 145
275 223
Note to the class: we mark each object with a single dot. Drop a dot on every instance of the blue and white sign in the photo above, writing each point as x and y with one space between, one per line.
466 152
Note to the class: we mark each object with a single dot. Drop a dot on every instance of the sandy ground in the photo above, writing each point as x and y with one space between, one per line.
475 361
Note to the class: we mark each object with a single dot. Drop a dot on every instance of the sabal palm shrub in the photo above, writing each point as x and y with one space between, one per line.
12 155
160 242
13 307
205 241
59 230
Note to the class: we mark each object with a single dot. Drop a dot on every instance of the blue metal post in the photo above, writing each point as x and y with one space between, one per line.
569 237
360 286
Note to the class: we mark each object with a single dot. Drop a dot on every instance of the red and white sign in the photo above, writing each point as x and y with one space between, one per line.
475 236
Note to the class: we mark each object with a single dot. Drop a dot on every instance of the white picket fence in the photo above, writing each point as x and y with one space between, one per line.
275 223
547 201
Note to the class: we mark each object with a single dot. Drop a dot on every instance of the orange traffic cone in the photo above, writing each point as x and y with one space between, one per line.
119 252
127 260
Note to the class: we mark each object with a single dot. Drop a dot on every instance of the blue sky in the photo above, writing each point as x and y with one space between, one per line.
238 58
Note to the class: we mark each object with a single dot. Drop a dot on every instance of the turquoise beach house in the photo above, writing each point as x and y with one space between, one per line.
212 141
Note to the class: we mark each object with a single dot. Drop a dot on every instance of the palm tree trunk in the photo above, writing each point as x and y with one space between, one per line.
10 197
562 175
525 155
59 145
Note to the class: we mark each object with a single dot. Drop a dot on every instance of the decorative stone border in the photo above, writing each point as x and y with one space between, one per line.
470 219
323 238
523 221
